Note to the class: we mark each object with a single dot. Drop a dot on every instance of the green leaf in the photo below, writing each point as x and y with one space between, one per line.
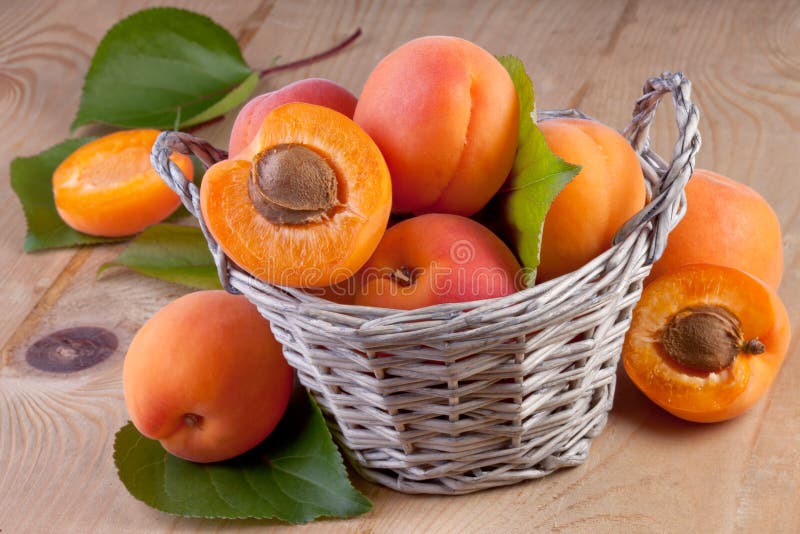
162 63
295 475
231 100
170 252
32 181
537 177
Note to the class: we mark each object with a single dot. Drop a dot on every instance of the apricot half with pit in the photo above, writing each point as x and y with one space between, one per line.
706 341
305 203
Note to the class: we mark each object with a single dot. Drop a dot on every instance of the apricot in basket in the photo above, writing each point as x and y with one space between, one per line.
457 260
445 114
305 203
608 190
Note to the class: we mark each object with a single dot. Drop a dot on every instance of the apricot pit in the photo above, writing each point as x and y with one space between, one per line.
707 338
292 184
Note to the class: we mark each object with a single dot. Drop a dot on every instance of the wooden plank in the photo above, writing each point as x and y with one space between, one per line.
647 472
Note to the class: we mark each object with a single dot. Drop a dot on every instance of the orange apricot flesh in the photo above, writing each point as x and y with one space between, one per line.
691 393
319 252
108 188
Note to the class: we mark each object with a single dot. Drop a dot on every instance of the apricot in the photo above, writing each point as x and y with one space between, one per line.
706 341
206 378
445 114
608 190
305 203
726 223
458 260
311 91
107 187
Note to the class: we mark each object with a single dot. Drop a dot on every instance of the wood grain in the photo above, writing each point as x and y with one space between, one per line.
648 472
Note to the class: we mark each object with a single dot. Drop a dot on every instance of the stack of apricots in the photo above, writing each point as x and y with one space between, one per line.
369 201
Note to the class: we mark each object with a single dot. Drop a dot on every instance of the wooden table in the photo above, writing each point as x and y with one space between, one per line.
648 472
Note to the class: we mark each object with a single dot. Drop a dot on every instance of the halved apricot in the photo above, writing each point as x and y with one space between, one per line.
706 341
107 187
305 204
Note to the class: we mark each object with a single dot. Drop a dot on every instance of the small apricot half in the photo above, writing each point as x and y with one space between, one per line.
108 188
305 203
706 342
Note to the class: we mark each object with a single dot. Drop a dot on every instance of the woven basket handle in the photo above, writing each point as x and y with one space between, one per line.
183 143
668 180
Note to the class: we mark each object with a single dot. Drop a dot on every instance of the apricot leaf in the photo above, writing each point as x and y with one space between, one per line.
537 177
160 66
296 475
32 181
170 252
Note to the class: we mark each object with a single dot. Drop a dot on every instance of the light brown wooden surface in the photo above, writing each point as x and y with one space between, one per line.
648 472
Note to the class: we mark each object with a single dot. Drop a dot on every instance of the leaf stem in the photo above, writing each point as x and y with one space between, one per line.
313 59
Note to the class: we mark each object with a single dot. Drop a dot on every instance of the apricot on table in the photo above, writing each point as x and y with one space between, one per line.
457 260
726 223
608 190
310 90
706 341
445 114
206 378
305 203
107 187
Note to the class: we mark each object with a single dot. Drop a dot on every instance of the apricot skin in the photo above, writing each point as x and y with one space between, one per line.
317 91
609 189
726 223
458 260
211 354
445 114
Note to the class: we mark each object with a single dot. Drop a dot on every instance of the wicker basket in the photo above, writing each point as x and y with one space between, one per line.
456 398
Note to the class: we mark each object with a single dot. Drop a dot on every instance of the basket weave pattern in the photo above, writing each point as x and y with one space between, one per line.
456 398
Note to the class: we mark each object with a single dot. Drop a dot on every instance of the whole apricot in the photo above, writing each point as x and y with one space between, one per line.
206 378
459 260
608 190
107 187
726 223
317 91
445 114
